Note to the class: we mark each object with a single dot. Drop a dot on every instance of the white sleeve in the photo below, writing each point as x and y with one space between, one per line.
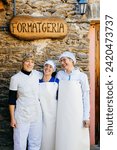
84 82
85 97
38 74
13 84
86 105
59 75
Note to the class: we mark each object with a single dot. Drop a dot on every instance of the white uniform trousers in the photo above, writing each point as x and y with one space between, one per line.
28 131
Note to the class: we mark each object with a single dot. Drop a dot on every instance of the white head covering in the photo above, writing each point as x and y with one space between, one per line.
69 55
51 62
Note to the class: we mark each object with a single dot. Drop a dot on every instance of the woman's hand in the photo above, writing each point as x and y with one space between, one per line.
86 123
13 123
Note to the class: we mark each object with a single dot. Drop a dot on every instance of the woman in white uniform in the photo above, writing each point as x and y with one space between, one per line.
72 129
24 106
48 86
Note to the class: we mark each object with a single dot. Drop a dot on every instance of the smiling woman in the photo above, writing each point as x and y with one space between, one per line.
24 106
48 87
73 109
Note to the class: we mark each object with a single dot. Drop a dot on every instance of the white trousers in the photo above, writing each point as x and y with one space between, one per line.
31 132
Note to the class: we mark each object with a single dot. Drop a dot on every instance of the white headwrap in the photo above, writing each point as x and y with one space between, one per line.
69 55
51 62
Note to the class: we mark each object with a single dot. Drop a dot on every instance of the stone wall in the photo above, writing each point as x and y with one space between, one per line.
11 48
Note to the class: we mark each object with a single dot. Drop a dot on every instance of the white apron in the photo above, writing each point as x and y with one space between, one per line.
48 103
70 133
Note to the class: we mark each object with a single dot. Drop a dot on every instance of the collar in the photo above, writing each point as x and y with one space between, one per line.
52 79
26 72
70 72
73 70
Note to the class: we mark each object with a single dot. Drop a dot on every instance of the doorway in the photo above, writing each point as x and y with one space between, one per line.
94 63
97 83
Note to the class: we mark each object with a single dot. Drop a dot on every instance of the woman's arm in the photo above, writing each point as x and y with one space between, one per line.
12 104
13 121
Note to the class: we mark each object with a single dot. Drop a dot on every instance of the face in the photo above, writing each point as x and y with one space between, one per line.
66 63
28 65
48 69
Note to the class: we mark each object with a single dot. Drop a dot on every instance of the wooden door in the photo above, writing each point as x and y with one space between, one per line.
97 83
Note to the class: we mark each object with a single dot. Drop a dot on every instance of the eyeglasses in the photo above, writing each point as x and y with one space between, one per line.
63 60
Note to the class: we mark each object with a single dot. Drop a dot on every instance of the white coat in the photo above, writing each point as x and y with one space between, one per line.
70 133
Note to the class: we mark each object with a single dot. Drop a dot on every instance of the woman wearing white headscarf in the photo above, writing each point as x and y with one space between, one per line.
72 129
48 87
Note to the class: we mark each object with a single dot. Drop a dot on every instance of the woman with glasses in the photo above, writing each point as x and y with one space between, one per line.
72 129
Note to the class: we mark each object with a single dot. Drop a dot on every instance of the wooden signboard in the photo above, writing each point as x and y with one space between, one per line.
32 28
